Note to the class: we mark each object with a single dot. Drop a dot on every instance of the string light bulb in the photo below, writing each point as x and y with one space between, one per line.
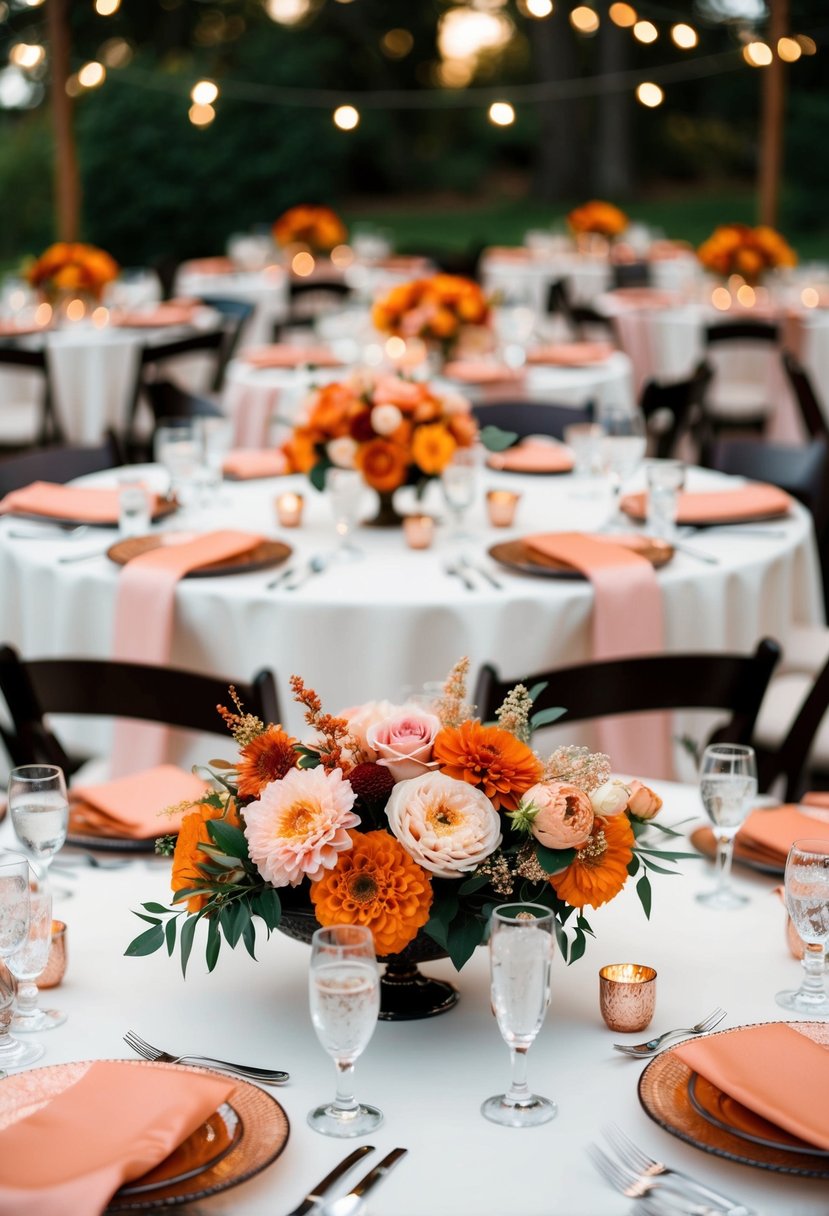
27 55
346 117
105 8
538 8
92 75
584 19
807 45
645 31
684 36
204 92
623 15
757 54
502 114
201 115
650 94
789 49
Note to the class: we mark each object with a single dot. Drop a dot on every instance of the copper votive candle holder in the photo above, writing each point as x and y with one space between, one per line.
502 505
627 996
419 531
289 510
52 974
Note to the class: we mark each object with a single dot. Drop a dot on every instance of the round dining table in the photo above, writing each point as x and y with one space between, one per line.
430 1077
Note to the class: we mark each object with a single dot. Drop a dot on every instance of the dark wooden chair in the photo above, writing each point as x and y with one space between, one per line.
736 415
167 401
790 759
155 356
309 299
58 464
800 470
13 356
581 320
631 274
736 683
236 315
674 410
33 688
811 410
531 418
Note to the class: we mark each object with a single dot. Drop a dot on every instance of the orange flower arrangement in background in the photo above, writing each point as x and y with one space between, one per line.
599 217
490 758
65 268
600 868
435 309
748 252
309 224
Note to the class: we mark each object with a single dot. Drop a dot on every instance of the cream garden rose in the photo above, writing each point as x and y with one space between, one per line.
610 798
342 452
446 826
385 419
403 743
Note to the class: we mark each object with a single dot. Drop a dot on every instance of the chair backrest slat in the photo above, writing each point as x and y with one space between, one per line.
58 464
532 418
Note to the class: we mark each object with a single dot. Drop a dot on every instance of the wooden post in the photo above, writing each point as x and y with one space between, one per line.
771 122
67 180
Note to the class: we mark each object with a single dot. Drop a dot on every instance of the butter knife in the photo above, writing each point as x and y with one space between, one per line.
352 1203
314 1196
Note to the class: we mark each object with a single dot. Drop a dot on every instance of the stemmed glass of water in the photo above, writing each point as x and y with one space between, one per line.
345 1002
520 954
14 929
459 481
807 901
728 786
623 445
39 811
27 964
345 493
178 450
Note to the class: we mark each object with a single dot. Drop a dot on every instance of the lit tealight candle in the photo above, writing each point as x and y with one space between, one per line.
502 505
289 510
419 531
627 996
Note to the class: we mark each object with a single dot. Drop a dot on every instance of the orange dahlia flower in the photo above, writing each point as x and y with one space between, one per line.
432 448
600 868
310 224
331 409
301 449
188 853
375 883
383 464
265 759
490 758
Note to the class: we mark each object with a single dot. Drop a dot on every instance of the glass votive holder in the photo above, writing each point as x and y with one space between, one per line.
419 531
584 439
289 510
501 506
666 479
52 974
627 996
134 507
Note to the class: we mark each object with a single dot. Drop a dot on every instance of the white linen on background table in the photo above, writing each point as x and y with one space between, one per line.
267 290
429 1077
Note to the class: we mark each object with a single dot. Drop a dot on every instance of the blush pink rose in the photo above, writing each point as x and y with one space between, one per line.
361 718
643 802
564 818
403 744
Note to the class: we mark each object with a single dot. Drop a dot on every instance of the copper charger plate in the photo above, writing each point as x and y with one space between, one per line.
705 842
264 555
237 1142
80 836
665 1092
517 555
164 508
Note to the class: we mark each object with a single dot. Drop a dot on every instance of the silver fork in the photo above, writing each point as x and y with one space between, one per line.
316 565
466 563
652 1046
636 1186
282 577
456 572
268 1076
633 1157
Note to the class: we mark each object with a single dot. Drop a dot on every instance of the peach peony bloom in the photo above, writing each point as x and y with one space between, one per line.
393 390
564 818
403 743
610 798
643 802
299 825
447 826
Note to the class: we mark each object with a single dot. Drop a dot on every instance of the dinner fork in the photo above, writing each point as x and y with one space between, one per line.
466 563
316 565
652 1046
268 1076
282 577
456 572
637 1186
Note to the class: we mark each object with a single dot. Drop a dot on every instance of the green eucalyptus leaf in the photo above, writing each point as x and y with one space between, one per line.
495 439
643 890
553 861
146 943
545 717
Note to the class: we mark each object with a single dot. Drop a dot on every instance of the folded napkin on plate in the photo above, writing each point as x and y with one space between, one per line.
775 1071
131 806
817 798
570 354
281 354
644 297
119 1120
533 457
773 832
214 265
243 464
753 501
64 502
628 620
482 371
171 313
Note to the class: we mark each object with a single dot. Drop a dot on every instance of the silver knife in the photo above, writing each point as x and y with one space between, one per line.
351 1203
482 571
81 557
281 578
314 1196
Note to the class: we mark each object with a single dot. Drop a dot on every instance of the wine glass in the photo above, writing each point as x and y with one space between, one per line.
345 493
728 785
345 1002
217 439
39 811
177 450
623 445
520 956
458 482
807 901
14 926
28 962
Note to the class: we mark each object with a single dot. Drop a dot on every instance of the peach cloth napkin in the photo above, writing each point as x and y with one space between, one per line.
818 798
115 1123
628 620
482 371
131 806
171 313
530 457
773 832
570 354
774 1071
64 502
144 618
243 464
753 501
214 265
283 355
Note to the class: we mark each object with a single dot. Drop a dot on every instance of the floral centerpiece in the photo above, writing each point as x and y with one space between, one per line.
748 252
440 310
411 822
597 218
317 227
72 270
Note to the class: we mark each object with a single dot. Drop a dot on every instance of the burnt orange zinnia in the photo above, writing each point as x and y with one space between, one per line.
375 883
490 758
600 868
266 758
188 853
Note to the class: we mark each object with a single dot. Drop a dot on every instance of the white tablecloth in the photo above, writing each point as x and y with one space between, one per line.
529 277
430 1077
267 290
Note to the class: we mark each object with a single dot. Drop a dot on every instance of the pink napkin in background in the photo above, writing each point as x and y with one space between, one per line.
131 806
772 1069
747 502
482 371
570 354
64 502
628 620
144 617
281 354
251 409
214 265
243 464
644 297
118 1121
171 313
775 831
533 457
816 798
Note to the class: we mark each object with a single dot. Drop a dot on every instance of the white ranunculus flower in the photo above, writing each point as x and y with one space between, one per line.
447 826
610 798
385 419
342 452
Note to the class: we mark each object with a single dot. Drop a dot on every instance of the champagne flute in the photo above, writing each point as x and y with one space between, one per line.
520 955
345 1002
39 811
14 928
807 901
728 785
27 963
623 446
